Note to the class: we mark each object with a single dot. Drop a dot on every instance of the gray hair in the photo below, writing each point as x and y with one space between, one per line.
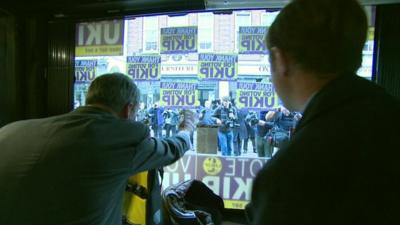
114 90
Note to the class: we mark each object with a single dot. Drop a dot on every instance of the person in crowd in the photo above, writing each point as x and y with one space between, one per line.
224 116
157 120
171 119
341 165
141 114
251 121
73 168
215 104
283 126
205 115
239 130
264 148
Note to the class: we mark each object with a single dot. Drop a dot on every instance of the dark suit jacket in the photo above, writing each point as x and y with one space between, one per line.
342 165
73 168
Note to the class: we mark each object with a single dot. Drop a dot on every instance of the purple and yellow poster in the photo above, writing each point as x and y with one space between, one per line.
229 177
104 38
217 66
144 67
85 70
177 94
252 40
178 40
255 95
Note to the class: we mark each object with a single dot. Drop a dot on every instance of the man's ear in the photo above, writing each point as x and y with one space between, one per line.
279 61
126 111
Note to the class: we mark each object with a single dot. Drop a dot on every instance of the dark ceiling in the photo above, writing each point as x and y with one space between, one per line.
112 8
99 8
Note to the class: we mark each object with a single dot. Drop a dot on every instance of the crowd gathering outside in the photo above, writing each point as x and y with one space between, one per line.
241 132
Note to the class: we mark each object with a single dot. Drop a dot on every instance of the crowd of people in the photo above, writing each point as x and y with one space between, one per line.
264 130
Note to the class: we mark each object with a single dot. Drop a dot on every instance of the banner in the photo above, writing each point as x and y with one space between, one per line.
229 177
255 95
217 66
85 70
178 40
179 94
105 38
251 40
144 67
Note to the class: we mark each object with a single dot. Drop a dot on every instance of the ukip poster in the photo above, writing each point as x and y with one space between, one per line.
256 95
221 67
252 40
179 94
178 40
144 67
85 70
229 177
103 38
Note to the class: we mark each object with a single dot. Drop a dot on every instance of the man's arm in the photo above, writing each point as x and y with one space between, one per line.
153 153
217 116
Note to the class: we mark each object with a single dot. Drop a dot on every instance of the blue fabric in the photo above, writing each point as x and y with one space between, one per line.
225 141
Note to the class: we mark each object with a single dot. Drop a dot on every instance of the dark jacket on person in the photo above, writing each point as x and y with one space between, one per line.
156 114
342 164
73 168
240 129
222 113
262 130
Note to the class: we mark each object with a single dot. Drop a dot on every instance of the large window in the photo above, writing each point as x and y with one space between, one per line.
190 61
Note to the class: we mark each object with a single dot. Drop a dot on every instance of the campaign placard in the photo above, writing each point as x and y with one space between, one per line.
178 40
175 94
252 40
254 95
144 67
85 70
104 38
229 177
222 67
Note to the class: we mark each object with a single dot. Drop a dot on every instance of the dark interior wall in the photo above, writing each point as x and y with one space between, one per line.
34 55
23 62
60 76
388 48
9 93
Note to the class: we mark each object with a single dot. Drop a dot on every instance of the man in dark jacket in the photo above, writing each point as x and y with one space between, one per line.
225 117
341 166
73 168
157 119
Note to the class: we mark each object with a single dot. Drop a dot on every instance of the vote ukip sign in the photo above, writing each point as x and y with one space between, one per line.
229 177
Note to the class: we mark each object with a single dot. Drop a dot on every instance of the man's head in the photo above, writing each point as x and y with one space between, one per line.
324 38
116 92
207 104
226 101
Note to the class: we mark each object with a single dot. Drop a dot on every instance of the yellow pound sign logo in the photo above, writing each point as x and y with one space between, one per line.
212 165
